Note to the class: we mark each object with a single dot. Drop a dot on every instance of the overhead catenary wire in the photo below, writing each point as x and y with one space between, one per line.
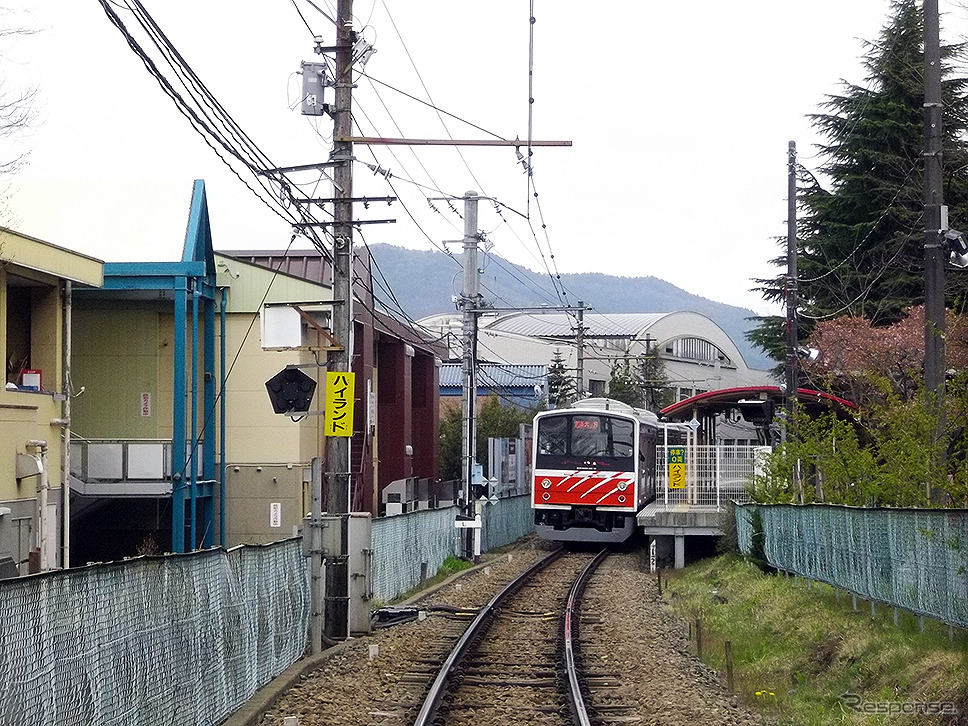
426 90
555 276
220 131
542 258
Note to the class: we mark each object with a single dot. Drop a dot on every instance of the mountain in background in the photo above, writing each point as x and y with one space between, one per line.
424 283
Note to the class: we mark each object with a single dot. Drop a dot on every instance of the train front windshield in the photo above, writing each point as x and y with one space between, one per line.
585 441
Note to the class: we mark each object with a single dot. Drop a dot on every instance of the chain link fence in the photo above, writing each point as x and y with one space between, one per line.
914 559
178 639
409 548
506 520
188 639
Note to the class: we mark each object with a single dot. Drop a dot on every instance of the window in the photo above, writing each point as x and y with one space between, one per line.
588 436
18 330
698 350
553 435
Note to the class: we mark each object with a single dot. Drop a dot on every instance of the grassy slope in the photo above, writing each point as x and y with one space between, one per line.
797 648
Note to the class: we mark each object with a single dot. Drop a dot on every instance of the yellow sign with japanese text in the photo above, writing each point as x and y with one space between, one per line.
339 403
677 468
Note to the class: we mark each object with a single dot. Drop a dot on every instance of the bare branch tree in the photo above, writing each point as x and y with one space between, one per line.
17 105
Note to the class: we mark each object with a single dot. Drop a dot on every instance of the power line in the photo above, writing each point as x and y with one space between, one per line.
210 120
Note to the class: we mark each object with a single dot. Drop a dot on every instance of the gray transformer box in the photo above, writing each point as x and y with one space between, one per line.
314 80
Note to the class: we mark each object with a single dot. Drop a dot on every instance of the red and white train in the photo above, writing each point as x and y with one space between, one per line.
594 467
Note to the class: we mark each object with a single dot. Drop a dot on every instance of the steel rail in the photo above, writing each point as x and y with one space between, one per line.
576 701
439 687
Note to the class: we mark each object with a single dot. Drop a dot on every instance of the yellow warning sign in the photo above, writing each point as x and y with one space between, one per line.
339 403
677 468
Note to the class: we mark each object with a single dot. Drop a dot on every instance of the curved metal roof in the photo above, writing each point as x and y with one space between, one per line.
726 398
557 325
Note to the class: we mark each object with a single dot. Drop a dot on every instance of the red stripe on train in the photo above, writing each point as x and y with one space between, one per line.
588 488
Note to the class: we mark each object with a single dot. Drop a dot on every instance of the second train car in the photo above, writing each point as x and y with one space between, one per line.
594 468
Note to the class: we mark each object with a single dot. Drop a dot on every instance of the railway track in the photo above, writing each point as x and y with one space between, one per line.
632 659
517 661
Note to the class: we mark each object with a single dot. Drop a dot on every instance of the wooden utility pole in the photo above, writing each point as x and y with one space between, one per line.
338 447
934 224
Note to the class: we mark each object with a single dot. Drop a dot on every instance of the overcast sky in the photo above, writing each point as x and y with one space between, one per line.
679 113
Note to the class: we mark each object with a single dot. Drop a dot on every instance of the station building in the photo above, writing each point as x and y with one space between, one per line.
697 355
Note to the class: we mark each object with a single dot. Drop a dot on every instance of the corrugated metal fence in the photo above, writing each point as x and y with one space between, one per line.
179 639
914 559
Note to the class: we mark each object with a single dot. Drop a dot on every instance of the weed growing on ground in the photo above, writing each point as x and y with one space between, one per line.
802 655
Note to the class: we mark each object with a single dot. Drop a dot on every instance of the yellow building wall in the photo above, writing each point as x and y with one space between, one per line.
35 331
266 453
46 352
254 434
27 415
118 351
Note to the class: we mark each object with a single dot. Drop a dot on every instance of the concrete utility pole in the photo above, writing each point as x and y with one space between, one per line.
580 350
934 224
792 383
469 300
338 447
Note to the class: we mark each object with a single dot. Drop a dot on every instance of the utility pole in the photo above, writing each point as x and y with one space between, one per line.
580 346
469 301
338 447
792 384
934 224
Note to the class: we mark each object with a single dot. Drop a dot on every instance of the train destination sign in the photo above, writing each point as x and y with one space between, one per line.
677 467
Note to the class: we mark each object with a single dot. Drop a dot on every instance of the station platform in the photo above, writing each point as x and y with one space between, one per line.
680 520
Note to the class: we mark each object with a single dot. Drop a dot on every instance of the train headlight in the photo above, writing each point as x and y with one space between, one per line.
546 496
546 483
621 499
622 486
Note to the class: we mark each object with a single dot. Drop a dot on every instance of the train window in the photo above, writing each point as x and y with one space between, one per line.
602 436
588 436
553 435
622 437
583 440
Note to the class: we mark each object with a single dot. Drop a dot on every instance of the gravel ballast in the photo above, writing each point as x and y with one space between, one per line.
381 678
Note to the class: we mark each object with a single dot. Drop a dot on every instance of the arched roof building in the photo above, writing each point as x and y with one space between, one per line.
696 353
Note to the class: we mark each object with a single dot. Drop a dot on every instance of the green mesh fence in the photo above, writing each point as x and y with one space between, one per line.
506 520
179 639
915 559
409 547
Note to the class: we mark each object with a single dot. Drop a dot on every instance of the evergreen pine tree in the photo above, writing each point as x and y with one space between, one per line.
561 386
624 384
650 373
860 234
